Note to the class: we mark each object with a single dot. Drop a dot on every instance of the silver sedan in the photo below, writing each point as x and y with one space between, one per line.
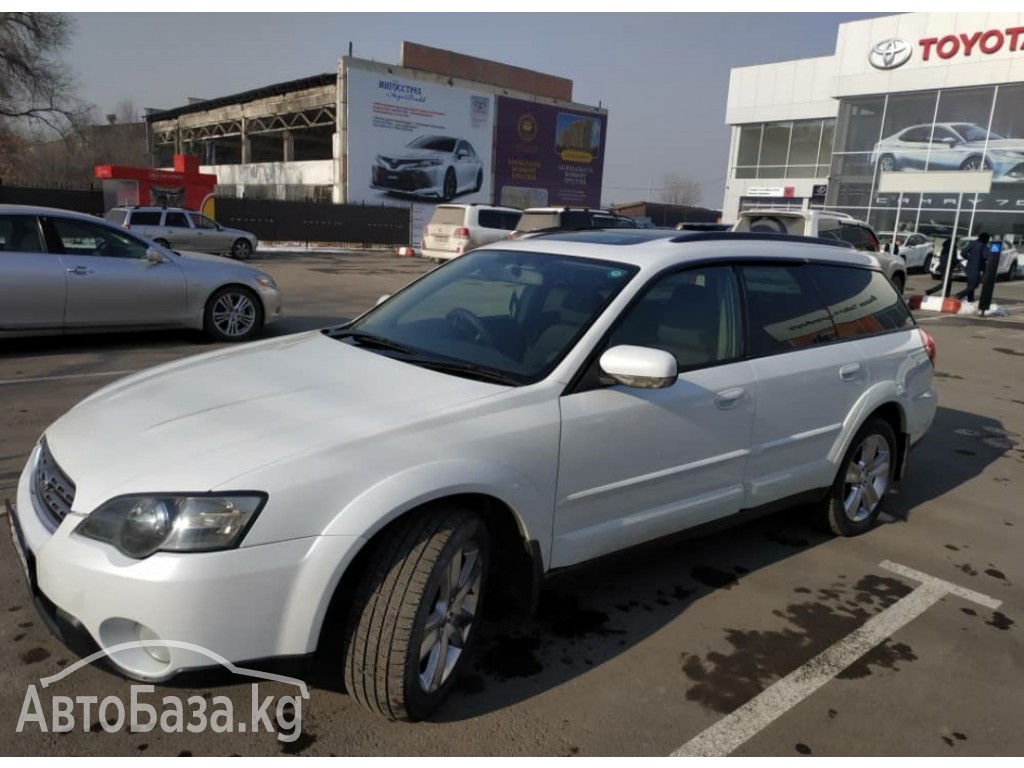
63 272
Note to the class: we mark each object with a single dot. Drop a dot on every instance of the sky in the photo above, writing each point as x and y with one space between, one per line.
663 77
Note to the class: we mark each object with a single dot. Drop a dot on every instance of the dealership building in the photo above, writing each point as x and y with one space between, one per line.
439 126
858 131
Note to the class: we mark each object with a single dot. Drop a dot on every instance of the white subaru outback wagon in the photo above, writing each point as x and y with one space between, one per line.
523 408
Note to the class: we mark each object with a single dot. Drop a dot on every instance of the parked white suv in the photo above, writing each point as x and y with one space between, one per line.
523 408
455 229
829 225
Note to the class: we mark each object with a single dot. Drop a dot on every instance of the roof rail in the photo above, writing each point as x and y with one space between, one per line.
691 237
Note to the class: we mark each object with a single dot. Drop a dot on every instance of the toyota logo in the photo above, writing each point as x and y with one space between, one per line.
890 53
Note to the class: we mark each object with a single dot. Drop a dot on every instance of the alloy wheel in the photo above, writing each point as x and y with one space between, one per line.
867 478
234 314
451 618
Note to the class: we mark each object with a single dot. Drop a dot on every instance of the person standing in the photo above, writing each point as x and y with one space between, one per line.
975 256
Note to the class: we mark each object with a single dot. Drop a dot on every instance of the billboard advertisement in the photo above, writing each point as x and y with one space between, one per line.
416 142
547 154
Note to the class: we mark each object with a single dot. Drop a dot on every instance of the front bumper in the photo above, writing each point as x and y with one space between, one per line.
273 305
248 603
421 181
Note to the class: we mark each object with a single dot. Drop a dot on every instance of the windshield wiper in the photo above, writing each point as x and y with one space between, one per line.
365 339
466 370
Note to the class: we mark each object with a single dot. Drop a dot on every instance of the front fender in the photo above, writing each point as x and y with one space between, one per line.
392 497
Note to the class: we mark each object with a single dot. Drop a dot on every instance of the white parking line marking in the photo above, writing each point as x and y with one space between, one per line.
38 379
742 724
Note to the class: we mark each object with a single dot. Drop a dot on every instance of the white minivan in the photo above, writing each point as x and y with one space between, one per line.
523 408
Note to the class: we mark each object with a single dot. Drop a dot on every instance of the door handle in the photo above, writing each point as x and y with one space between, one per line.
850 372
78 271
728 398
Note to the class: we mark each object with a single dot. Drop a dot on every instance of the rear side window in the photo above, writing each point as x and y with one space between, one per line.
145 219
785 309
446 214
771 224
116 217
860 237
490 219
862 302
20 234
532 222
176 219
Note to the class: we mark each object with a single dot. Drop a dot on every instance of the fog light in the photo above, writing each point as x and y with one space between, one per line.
157 652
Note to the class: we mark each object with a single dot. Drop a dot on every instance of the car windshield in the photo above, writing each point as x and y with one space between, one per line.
440 143
496 314
972 132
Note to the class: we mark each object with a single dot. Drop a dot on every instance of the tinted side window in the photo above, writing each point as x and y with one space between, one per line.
145 219
576 220
785 309
20 234
87 238
176 219
693 314
861 301
497 219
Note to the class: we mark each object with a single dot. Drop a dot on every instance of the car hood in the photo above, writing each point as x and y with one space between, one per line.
1016 145
187 256
195 424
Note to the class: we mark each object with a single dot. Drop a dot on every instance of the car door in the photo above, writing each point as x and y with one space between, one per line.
206 236
636 464
807 381
947 152
110 280
32 281
178 231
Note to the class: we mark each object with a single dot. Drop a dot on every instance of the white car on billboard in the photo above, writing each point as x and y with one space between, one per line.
430 166
951 147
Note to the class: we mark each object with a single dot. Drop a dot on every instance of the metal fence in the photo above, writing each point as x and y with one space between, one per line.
82 200
300 221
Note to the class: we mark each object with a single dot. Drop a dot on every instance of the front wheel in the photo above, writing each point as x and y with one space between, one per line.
1011 272
413 620
864 477
233 313
451 185
241 249
976 163
162 243
479 181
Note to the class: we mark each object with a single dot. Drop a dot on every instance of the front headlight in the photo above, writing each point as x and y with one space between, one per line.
266 280
428 163
138 526
1007 152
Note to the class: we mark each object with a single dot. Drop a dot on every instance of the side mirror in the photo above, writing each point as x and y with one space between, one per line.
382 299
154 256
640 367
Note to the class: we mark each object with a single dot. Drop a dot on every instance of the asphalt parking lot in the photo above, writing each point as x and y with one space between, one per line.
762 631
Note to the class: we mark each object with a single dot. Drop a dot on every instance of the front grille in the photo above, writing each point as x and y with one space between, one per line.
55 493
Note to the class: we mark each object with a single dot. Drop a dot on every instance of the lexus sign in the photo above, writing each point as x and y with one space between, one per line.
890 53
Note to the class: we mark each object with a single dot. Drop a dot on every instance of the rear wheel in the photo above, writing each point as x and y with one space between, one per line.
887 163
864 477
413 619
233 313
162 243
899 282
1011 272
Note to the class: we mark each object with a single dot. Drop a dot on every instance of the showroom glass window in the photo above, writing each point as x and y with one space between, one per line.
798 149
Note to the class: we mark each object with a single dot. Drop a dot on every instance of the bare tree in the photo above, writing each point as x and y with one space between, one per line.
126 111
36 89
676 189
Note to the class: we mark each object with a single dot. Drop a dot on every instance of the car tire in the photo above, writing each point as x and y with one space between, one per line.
408 585
162 243
926 265
869 462
976 163
479 180
887 164
233 313
899 282
241 249
1011 273
451 185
